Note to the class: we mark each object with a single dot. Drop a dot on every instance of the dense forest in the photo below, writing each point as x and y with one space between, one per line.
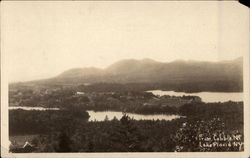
123 100
70 131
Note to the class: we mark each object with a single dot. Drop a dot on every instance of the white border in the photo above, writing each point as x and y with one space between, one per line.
5 135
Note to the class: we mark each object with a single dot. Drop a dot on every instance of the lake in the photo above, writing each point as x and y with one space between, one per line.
100 116
205 96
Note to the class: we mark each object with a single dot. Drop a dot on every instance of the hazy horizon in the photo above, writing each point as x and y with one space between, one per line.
43 39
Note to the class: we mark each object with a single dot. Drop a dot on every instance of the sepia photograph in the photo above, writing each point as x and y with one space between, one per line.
124 79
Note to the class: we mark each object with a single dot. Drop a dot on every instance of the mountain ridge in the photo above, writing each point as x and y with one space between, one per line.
198 73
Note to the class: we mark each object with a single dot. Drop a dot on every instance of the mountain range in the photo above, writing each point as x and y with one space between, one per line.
147 70
227 73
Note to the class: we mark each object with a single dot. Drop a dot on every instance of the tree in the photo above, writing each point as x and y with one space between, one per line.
126 137
64 143
106 118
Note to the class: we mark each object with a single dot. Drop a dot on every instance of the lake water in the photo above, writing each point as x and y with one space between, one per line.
205 96
100 116
31 108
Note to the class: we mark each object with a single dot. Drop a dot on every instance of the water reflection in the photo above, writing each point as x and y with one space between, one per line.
101 115
205 96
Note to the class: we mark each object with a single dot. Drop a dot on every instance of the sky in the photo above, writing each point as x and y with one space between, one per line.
43 39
